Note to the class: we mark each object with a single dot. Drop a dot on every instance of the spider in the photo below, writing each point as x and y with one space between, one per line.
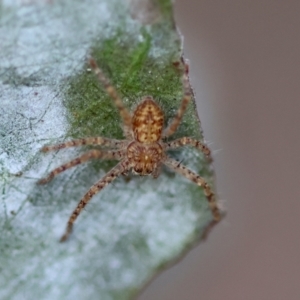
143 151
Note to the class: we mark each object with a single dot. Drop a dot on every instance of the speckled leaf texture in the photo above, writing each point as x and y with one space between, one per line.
136 226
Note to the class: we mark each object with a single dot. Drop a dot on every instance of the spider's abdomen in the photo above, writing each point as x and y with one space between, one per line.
144 159
147 121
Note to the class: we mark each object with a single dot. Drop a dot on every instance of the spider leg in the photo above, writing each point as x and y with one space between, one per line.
95 188
125 115
85 141
156 172
185 101
92 154
181 169
189 141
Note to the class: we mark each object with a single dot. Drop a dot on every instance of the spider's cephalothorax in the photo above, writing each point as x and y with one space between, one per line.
144 158
143 150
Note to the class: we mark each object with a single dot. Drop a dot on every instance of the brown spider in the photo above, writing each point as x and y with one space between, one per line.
143 151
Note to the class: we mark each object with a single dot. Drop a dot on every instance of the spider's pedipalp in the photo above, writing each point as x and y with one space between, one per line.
181 169
92 154
118 170
184 103
101 141
181 142
111 91
157 171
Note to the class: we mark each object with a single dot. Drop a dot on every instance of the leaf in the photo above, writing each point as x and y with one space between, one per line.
134 227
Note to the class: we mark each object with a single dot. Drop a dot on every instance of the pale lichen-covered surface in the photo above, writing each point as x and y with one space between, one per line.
136 225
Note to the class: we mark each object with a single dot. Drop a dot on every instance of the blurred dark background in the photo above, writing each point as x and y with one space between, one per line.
245 70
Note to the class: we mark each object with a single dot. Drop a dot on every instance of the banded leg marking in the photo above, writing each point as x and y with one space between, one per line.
181 142
111 91
85 141
184 103
181 169
92 154
95 188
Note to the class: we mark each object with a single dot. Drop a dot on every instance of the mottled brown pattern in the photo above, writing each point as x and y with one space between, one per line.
143 150
144 158
147 121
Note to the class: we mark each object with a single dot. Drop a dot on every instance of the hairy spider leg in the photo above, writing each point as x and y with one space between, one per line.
181 169
101 141
187 95
92 154
157 171
181 142
118 170
111 91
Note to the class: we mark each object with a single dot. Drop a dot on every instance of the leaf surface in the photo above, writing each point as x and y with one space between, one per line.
135 226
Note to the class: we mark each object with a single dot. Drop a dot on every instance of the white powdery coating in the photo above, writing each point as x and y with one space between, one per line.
121 237
41 56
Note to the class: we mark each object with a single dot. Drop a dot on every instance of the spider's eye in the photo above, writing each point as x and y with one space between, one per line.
138 170
149 170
